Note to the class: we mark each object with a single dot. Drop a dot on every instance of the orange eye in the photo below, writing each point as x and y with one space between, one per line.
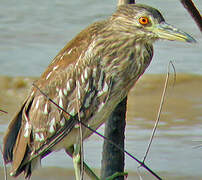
144 20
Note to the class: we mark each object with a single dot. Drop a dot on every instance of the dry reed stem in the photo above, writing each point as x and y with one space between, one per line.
160 109
81 140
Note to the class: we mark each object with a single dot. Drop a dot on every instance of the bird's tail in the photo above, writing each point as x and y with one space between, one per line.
11 136
15 145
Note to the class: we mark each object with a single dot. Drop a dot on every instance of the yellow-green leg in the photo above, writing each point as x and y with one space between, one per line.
77 164
117 174
75 154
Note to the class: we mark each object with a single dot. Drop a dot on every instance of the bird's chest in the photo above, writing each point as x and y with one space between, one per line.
113 82
122 77
131 67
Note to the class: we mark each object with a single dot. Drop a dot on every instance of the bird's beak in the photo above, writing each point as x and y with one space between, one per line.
169 32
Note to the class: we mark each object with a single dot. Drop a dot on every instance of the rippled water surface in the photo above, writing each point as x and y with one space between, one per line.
31 34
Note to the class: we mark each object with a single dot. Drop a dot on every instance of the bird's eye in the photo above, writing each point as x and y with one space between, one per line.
143 20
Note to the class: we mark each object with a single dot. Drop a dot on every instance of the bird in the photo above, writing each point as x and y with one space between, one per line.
87 78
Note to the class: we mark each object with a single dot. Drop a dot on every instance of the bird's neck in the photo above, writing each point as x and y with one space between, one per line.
124 58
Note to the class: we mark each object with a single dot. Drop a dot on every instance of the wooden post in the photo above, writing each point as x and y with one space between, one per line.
113 160
120 2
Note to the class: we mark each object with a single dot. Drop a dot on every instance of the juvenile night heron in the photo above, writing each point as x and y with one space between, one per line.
88 78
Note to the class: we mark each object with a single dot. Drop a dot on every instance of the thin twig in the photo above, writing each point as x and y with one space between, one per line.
94 131
159 111
4 164
3 111
81 137
174 71
139 173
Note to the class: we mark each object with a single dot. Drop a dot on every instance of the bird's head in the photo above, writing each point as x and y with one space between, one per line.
146 23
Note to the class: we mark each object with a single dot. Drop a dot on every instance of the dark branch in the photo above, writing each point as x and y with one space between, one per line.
3 111
121 2
193 11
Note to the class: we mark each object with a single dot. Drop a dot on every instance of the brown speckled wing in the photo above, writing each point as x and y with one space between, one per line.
73 82
85 90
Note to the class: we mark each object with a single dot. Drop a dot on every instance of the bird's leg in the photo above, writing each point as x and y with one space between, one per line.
117 174
70 151
76 156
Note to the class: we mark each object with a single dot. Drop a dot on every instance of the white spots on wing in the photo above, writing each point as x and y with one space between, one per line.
69 83
104 89
46 109
27 129
89 99
39 137
60 93
55 67
62 56
89 51
69 52
82 79
27 125
87 86
60 103
32 93
72 112
60 98
94 72
78 93
37 104
86 73
52 126
79 59
101 106
62 121
68 86
48 75
51 129
65 91
100 93
78 90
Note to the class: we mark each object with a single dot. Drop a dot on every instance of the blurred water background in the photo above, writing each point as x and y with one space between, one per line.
32 33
